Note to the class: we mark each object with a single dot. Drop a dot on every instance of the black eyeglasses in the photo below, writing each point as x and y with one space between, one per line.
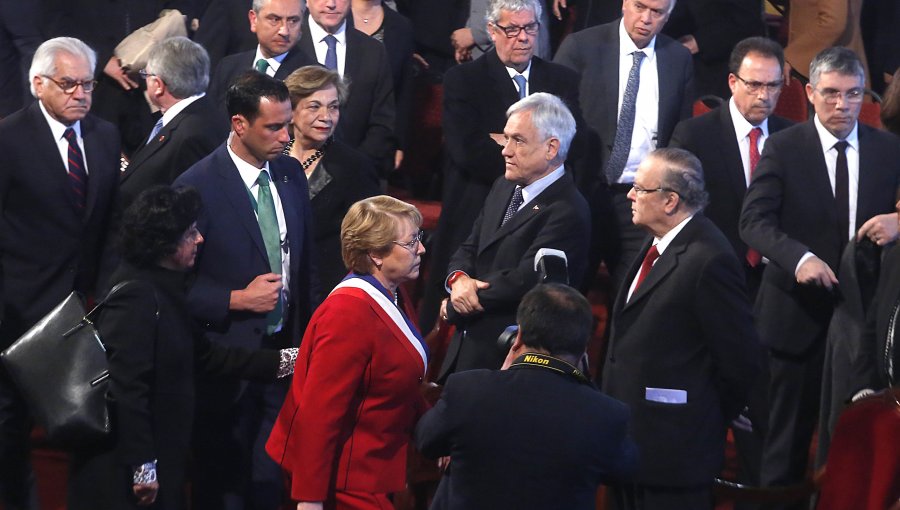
755 86
514 30
643 191
412 245
68 86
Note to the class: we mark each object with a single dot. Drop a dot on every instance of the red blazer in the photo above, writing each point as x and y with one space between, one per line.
353 403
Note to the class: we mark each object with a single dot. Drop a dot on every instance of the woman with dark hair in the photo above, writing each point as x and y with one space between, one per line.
153 348
338 174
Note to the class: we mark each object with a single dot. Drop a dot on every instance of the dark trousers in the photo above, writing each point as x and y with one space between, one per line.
651 497
795 383
17 489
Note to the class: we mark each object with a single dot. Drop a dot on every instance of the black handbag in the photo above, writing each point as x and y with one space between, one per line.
60 368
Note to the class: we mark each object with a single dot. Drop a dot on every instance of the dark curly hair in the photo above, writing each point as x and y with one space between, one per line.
154 223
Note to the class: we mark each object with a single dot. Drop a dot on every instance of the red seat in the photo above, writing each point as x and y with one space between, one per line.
793 104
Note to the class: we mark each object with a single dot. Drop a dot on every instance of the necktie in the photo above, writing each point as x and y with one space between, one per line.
622 145
513 206
268 226
753 257
520 81
646 265
331 54
842 192
262 65
77 174
156 128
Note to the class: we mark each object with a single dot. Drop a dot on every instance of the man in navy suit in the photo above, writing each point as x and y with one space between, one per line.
254 287
609 57
682 351
58 173
506 432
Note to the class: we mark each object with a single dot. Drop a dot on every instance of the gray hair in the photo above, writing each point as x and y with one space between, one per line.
259 4
182 64
836 59
44 61
683 173
550 117
493 13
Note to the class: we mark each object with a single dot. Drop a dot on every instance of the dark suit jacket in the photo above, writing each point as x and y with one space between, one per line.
688 327
788 211
233 253
504 256
368 115
343 177
880 345
48 249
711 138
225 29
511 446
594 53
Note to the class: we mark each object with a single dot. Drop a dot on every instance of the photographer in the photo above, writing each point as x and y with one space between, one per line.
536 434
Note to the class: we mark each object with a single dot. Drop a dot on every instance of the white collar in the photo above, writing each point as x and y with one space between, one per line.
627 46
317 33
512 72
663 242
179 107
249 173
276 59
742 128
57 128
535 188
828 140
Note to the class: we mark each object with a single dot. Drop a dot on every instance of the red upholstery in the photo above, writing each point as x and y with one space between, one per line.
793 104
870 114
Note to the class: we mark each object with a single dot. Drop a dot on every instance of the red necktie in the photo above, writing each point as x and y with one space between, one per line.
646 265
753 257
77 175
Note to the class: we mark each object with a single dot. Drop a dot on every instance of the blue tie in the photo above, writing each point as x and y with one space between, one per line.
331 55
520 81
514 203
156 128
625 127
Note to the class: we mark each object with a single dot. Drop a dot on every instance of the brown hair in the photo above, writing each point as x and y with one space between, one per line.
371 226
306 80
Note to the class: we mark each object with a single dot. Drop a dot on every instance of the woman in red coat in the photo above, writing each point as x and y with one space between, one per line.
342 433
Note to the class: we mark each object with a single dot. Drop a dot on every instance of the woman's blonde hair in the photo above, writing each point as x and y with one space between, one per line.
371 226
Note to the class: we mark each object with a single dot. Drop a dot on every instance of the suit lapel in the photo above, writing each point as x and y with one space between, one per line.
609 61
148 150
289 203
504 88
236 192
528 212
734 162
867 187
48 161
93 150
819 183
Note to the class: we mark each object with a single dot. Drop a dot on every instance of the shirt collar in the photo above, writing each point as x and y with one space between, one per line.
535 188
57 127
179 107
828 140
627 46
249 173
317 33
277 59
526 73
663 242
742 128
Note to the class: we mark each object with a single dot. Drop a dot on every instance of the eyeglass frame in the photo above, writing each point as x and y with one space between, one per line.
836 95
74 85
754 86
534 28
412 245
144 74
644 191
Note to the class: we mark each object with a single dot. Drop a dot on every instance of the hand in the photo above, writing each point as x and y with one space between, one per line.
814 271
464 295
310 505
742 422
690 43
114 70
462 55
421 60
443 463
398 159
787 73
881 229
498 138
557 6
260 296
145 492
443 310
462 38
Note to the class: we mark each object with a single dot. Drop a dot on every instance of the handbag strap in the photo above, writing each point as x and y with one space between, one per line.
889 344
90 316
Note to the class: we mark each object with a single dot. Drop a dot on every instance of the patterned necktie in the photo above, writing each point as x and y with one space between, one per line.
646 265
842 192
520 81
331 54
514 205
754 257
262 65
268 226
77 174
622 145
156 129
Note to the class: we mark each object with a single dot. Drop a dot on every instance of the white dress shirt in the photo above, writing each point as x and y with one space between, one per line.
742 130
57 128
318 34
646 115
526 73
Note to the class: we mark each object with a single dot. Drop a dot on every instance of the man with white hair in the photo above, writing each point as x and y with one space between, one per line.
58 175
534 205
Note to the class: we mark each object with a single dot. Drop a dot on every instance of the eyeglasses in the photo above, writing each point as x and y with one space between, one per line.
832 96
514 30
643 191
412 245
144 74
654 13
68 86
755 86
191 234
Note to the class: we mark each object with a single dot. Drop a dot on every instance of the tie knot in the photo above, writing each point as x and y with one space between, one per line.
331 41
652 254
841 146
262 65
263 179
638 56
69 134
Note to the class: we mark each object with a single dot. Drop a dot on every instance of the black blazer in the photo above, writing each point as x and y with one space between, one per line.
225 29
688 327
504 256
369 115
711 138
512 445
343 177
789 211
594 53
870 369
48 249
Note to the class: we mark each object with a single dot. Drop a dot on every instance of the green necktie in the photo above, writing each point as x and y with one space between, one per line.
268 226
262 65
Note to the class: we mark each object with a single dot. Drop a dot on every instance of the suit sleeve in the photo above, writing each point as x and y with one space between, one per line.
379 141
721 24
681 137
213 358
434 432
759 224
469 147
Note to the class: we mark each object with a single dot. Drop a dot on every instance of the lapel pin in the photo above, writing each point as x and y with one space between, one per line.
536 208
162 138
